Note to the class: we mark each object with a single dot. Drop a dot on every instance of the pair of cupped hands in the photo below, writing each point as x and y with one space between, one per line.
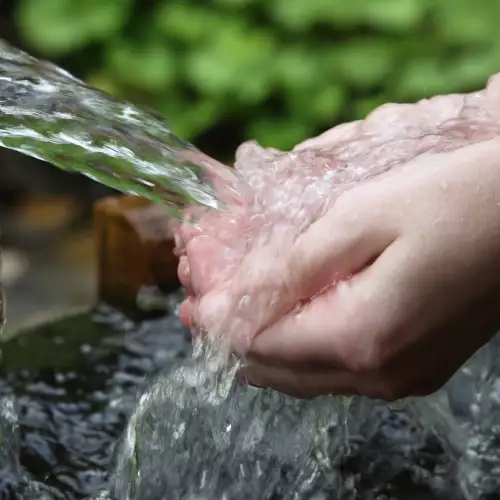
390 289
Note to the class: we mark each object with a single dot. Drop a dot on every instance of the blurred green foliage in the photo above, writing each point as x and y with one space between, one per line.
274 70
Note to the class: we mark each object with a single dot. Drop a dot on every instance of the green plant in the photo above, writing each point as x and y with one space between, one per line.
274 70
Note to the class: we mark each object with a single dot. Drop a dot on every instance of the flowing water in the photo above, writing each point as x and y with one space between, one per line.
196 432
47 113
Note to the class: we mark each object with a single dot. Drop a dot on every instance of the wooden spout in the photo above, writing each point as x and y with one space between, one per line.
135 249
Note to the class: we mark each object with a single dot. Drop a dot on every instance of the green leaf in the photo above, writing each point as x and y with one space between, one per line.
238 3
237 61
296 15
342 13
254 89
471 70
297 67
423 78
104 82
301 15
399 15
188 23
146 64
327 103
363 63
317 106
467 22
190 118
58 27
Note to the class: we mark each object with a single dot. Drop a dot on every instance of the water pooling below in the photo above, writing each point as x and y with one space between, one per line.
69 388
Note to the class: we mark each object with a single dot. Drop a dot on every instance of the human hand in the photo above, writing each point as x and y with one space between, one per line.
387 316
415 259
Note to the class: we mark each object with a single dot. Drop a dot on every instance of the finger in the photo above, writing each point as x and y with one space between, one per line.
346 240
183 273
271 281
209 263
427 114
226 227
185 312
308 335
199 220
175 226
347 325
190 226
302 384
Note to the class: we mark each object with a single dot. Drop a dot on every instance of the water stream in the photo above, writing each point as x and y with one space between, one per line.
47 113
196 432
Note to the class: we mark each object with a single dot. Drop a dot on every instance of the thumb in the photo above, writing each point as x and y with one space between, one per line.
351 235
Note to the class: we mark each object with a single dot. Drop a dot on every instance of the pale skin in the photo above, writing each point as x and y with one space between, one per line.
415 259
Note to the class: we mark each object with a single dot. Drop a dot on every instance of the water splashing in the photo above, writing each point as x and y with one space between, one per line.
199 434
47 113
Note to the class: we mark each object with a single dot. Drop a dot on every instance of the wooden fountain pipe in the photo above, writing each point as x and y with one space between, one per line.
134 249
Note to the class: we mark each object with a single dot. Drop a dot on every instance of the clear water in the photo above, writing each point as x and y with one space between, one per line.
196 433
47 113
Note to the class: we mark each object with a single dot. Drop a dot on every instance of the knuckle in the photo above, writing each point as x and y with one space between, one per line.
367 346
365 357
